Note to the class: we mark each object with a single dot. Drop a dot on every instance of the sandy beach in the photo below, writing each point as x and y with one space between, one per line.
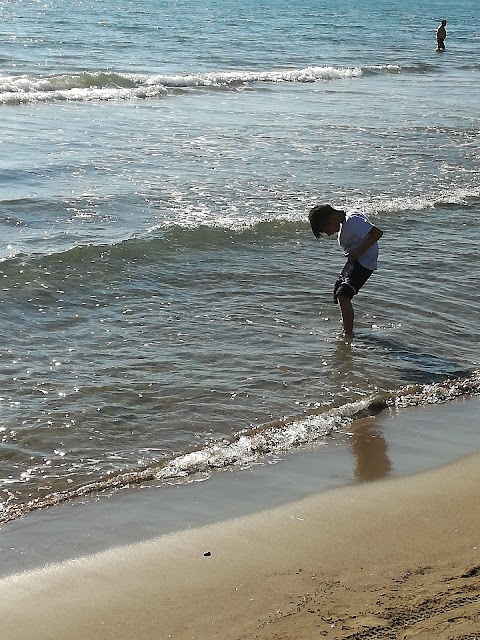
396 558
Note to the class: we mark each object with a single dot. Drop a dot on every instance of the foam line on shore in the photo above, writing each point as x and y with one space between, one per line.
250 446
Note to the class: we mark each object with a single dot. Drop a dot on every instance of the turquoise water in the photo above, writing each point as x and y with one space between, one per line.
162 293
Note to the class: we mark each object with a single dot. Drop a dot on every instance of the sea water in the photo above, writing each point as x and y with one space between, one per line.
166 310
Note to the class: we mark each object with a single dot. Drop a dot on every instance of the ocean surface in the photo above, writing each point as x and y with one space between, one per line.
165 310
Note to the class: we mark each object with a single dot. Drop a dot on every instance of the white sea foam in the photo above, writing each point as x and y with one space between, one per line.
103 86
460 196
250 447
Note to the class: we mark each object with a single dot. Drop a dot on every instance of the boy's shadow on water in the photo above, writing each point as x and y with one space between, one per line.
411 364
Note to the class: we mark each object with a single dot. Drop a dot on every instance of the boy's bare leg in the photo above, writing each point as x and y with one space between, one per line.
346 309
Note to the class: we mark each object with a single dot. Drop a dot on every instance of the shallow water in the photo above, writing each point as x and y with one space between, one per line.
162 292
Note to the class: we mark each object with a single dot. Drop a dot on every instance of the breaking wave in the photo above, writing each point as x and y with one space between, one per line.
102 86
189 232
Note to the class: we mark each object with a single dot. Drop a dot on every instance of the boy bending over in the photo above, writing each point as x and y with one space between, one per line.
358 238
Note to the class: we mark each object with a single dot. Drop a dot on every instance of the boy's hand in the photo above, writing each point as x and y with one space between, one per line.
352 255
372 236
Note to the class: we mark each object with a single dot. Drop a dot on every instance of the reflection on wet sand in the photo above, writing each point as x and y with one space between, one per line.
369 447
370 450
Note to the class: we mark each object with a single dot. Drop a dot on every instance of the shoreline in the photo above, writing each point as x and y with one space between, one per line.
271 441
398 555
393 444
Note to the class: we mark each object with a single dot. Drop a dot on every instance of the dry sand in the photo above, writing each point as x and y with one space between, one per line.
390 559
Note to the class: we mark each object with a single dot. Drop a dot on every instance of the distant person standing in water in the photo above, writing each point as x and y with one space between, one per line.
441 35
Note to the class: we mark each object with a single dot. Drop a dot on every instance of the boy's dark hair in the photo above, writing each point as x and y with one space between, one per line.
317 217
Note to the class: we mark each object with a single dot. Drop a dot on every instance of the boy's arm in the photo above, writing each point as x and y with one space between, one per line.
370 239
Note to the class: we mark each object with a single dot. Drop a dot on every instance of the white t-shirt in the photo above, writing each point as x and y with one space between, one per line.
351 234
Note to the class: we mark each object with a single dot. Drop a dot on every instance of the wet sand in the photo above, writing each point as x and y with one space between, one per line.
393 558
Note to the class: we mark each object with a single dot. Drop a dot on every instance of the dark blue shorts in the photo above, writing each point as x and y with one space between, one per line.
351 280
